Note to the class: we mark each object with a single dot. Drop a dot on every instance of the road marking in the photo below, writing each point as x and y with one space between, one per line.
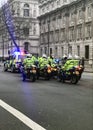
27 121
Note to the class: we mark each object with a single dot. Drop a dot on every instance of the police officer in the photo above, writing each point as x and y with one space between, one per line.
43 61
28 61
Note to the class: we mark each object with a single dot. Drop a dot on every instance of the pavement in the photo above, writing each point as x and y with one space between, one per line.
1 63
88 73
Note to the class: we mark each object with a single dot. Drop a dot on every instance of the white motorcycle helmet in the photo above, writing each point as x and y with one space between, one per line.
64 56
44 56
70 57
77 57
29 55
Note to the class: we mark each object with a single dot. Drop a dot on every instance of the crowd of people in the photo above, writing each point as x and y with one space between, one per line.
66 62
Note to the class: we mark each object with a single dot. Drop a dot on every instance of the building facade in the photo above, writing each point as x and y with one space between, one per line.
66 26
24 16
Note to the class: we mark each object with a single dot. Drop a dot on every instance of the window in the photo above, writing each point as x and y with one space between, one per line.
34 29
78 50
87 51
51 37
34 13
62 50
26 5
45 50
88 33
89 11
64 19
79 33
26 10
47 7
55 51
72 16
50 51
71 35
41 39
26 46
58 2
41 51
63 34
52 4
80 14
69 49
43 10
57 36
26 31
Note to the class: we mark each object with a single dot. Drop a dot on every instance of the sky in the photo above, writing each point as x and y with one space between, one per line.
2 2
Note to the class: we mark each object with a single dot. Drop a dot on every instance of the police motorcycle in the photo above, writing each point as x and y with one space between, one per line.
44 70
71 75
68 72
29 71
78 66
54 70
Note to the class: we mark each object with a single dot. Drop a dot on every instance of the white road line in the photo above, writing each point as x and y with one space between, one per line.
27 121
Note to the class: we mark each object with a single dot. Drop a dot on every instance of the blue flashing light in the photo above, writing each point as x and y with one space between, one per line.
16 53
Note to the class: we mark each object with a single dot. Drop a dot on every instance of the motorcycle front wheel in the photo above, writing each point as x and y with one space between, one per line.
47 76
32 78
74 79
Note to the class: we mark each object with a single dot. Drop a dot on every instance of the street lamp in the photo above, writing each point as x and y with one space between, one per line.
48 22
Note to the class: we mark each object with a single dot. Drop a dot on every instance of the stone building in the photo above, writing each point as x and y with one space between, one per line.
24 16
66 26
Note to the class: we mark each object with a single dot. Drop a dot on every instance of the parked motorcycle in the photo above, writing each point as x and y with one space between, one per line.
71 75
29 73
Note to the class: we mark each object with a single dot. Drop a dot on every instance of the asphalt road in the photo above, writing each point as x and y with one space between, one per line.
51 104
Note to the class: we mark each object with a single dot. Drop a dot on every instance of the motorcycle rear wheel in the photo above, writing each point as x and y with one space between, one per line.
47 77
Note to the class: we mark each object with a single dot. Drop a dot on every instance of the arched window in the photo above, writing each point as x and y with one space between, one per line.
26 5
26 10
